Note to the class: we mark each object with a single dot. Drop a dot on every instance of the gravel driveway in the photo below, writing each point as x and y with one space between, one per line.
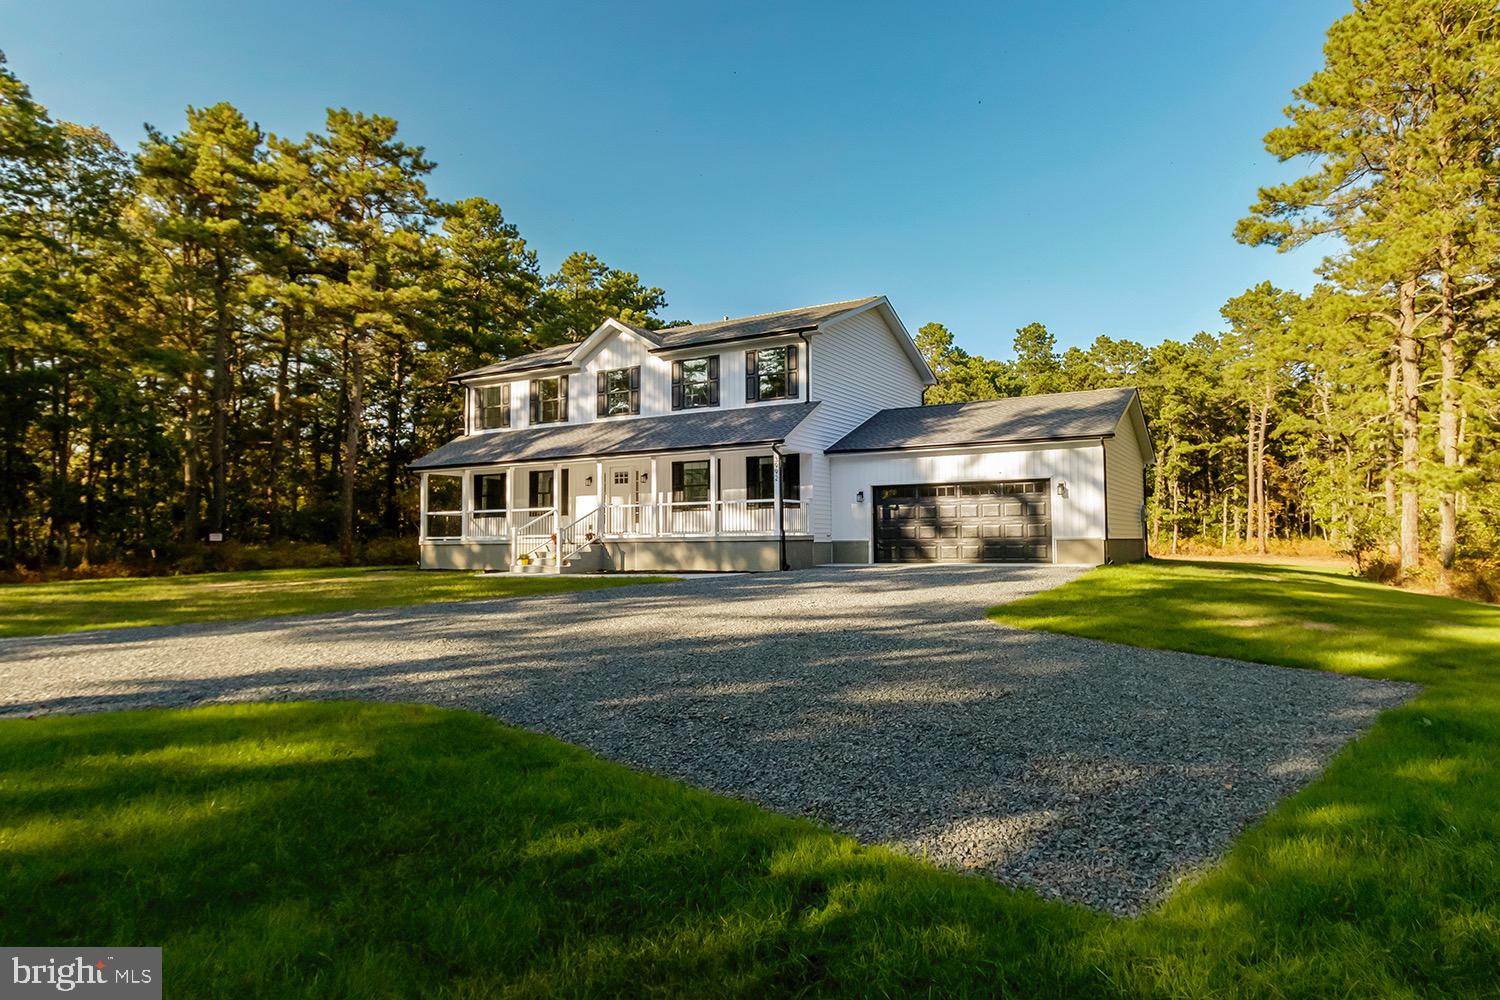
878 700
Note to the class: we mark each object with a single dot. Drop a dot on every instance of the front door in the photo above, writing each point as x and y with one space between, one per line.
625 490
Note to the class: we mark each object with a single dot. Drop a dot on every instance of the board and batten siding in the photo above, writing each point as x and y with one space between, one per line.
1127 479
1080 466
858 367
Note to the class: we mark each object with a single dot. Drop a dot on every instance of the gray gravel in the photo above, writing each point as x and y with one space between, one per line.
878 700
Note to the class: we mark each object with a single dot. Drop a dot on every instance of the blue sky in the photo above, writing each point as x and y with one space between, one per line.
1081 164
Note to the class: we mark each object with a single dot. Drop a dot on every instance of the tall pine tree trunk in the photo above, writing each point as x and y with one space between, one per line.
392 513
1448 426
351 447
1409 350
192 487
219 495
274 477
1260 471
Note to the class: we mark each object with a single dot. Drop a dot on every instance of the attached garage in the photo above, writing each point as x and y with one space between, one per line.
963 522
1055 478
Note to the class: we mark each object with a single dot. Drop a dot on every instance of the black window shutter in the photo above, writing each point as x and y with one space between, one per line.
562 397
635 388
752 378
791 477
713 381
536 402
752 478
791 372
505 404
677 385
676 481
564 498
601 400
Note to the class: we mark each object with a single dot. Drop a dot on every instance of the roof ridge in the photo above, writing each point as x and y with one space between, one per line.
775 312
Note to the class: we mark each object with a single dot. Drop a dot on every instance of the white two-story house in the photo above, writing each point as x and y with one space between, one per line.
784 440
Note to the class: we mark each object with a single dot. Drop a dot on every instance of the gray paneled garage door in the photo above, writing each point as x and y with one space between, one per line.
964 522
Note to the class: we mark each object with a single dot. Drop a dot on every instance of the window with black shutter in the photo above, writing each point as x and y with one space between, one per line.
492 406
690 482
695 383
549 400
618 392
771 373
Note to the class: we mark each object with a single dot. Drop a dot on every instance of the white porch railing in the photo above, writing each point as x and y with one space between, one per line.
703 518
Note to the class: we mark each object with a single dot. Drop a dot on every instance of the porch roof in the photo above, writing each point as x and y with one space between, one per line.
635 436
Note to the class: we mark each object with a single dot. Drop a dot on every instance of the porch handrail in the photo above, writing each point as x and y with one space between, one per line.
538 527
568 543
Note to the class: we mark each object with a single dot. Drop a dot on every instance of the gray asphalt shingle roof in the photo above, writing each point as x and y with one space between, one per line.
1055 416
720 331
677 432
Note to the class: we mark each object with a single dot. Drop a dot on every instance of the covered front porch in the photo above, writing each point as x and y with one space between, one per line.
600 512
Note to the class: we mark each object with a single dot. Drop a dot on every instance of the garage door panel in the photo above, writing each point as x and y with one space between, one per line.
968 522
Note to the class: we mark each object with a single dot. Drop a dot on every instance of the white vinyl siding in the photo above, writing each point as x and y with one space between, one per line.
1079 467
1127 484
858 367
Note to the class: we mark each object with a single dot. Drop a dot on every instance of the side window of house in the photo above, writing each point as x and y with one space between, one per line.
695 383
760 478
549 400
771 373
618 392
492 406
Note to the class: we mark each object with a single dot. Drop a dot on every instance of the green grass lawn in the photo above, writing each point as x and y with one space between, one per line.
369 851
74 605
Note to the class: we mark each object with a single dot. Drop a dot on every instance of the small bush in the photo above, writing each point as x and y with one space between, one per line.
389 552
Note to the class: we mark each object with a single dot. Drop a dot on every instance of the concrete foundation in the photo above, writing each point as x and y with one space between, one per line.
851 551
648 555
1118 550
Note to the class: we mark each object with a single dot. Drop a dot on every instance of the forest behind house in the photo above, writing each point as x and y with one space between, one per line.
236 334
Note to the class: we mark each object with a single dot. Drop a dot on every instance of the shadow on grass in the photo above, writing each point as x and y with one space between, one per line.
339 849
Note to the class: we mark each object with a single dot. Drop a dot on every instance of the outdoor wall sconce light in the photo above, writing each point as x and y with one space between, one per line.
588 481
1062 490
859 496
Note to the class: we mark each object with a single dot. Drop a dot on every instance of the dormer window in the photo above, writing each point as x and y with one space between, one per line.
695 383
492 407
771 373
549 400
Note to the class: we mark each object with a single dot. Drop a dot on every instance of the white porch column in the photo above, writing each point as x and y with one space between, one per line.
511 523
599 498
466 504
557 511
422 511
656 512
713 493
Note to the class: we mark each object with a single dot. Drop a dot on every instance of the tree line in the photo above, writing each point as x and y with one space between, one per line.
232 332
245 335
1366 412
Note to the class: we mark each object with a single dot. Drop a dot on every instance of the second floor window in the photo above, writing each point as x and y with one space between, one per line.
619 392
549 400
771 373
695 383
492 407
